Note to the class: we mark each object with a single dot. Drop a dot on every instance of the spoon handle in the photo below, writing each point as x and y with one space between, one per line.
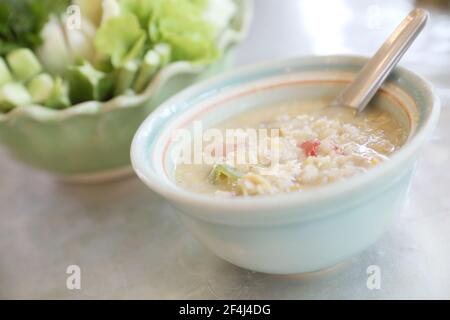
366 83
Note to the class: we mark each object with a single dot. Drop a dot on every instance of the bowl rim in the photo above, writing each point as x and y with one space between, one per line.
227 40
252 206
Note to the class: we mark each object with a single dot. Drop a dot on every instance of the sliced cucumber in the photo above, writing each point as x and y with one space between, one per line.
149 66
125 77
24 64
12 95
40 87
59 96
5 75
87 83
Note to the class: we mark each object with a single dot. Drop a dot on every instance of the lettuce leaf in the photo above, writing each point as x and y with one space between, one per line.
180 24
142 9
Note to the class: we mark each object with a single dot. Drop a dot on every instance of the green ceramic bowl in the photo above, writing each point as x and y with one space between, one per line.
91 141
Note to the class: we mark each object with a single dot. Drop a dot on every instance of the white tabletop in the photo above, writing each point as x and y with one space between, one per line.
129 243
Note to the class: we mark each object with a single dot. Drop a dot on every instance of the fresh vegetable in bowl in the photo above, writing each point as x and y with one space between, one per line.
117 47
72 99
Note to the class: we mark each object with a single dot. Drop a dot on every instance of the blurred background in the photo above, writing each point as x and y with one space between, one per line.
294 27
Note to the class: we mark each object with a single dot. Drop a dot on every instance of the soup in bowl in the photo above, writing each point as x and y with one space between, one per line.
269 177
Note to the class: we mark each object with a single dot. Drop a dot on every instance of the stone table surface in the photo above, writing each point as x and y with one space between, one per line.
129 243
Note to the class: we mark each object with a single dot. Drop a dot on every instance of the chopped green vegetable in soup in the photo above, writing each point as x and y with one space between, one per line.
224 173
315 146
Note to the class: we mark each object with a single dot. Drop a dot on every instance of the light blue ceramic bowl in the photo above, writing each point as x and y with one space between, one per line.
296 232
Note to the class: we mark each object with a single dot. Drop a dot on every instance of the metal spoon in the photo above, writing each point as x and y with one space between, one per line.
366 83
